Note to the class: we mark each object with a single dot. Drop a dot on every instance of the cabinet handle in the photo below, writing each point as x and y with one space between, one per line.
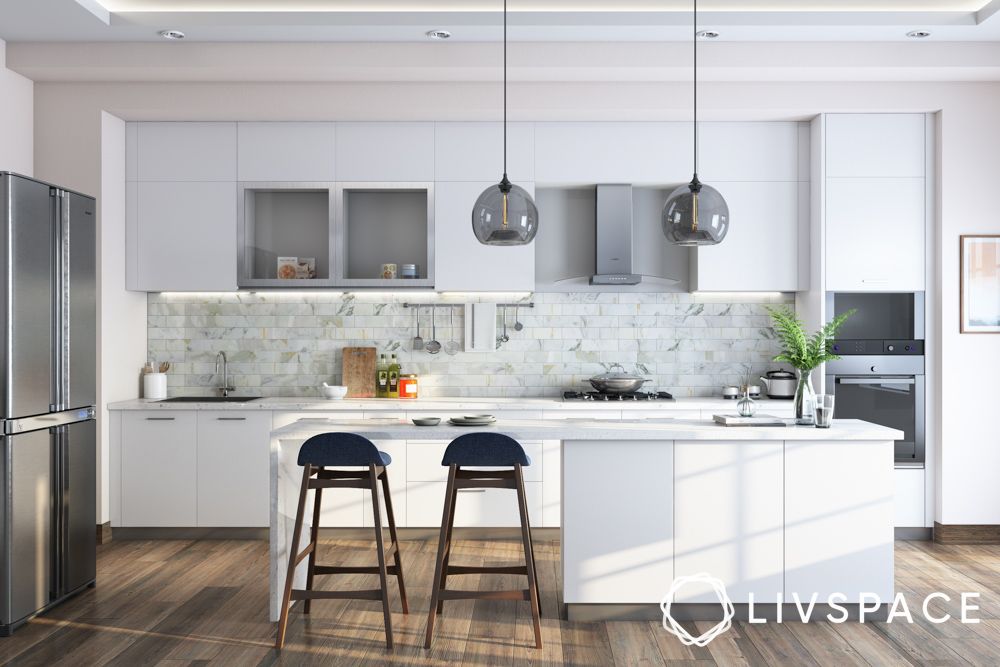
231 419
160 419
471 490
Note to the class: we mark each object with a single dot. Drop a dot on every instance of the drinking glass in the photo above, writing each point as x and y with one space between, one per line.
824 410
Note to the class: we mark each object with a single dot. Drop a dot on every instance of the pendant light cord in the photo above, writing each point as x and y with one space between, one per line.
505 89
694 42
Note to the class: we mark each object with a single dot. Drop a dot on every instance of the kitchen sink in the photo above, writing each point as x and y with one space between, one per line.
209 399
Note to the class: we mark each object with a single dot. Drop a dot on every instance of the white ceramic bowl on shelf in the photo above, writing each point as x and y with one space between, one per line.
333 392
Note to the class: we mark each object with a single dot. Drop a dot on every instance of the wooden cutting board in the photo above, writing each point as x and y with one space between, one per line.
359 372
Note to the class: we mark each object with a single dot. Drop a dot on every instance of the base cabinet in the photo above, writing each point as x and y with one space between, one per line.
233 469
159 468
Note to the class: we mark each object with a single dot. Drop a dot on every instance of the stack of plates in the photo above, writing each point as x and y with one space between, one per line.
473 420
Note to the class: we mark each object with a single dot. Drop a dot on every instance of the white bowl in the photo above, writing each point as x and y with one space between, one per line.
333 392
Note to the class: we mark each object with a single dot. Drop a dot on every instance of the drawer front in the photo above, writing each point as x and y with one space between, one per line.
481 508
583 414
423 461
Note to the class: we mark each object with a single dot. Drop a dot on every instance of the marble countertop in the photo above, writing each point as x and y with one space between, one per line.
446 404
589 429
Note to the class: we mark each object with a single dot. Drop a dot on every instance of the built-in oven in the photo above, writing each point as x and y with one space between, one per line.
880 376
883 390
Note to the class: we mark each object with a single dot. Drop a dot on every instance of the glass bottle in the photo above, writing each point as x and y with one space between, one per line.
382 378
394 377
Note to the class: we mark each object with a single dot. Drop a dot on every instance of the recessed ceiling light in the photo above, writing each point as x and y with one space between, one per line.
918 34
172 34
708 34
438 34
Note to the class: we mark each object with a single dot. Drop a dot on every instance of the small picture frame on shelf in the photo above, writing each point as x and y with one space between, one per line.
979 281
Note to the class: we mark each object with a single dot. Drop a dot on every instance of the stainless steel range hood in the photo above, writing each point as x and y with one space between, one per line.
614 237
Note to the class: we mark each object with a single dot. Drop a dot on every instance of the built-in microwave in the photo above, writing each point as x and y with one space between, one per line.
880 377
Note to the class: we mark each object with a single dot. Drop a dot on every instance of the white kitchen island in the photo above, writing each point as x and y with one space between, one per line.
771 512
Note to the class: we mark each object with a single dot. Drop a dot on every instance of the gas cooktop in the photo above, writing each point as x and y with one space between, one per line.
631 396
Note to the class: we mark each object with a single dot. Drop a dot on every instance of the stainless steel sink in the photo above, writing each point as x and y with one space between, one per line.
209 399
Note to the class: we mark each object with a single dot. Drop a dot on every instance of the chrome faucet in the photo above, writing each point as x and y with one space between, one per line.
225 388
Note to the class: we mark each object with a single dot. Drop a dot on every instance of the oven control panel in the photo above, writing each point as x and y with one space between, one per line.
892 347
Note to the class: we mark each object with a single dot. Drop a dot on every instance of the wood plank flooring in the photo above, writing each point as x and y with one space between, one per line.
204 602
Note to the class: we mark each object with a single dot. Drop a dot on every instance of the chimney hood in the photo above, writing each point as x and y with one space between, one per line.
614 236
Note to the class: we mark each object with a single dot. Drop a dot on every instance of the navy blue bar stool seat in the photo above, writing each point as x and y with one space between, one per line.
323 458
508 458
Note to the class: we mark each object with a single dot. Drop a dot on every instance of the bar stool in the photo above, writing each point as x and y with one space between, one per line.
493 450
342 450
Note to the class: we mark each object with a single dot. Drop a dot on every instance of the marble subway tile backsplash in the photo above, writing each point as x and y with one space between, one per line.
286 344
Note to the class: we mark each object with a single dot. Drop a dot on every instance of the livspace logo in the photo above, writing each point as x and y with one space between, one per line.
867 604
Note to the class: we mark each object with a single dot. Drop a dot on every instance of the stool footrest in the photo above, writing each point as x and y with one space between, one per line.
352 569
484 595
372 594
486 569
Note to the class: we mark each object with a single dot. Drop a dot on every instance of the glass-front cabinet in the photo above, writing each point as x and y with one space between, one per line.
295 235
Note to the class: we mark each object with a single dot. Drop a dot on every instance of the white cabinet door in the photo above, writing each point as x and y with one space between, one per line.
728 518
461 262
186 236
598 152
748 151
234 469
286 151
159 465
760 252
480 508
838 519
617 547
186 152
385 152
875 234
909 498
875 145
474 152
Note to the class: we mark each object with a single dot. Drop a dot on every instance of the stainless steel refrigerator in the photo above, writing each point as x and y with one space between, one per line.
47 397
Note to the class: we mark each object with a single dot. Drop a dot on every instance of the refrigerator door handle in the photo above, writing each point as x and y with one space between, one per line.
51 420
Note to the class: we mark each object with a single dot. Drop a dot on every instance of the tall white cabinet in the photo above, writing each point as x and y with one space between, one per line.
876 194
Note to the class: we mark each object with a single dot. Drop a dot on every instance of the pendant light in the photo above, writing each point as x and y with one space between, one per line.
695 214
505 214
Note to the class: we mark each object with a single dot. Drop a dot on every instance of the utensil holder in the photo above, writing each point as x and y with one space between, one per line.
154 386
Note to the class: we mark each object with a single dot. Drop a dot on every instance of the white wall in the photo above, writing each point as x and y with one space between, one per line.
16 119
121 332
68 131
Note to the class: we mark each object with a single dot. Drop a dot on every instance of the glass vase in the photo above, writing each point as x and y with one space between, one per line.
805 399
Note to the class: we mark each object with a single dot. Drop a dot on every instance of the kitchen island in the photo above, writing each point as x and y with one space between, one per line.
772 512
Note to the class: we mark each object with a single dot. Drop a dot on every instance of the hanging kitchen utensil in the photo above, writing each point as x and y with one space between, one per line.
417 343
503 313
451 347
517 323
433 346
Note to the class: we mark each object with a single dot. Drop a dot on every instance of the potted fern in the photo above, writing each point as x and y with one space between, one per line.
804 353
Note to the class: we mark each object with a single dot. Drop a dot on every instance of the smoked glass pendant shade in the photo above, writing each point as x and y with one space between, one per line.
505 214
695 214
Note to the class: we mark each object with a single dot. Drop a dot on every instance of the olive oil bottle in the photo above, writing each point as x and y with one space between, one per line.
382 378
394 378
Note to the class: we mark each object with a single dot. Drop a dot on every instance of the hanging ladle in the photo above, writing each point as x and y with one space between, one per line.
433 346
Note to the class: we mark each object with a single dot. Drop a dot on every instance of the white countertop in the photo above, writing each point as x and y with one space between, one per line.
448 404
589 429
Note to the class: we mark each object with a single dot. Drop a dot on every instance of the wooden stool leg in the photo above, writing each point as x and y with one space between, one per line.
397 559
314 540
531 541
439 562
382 574
529 558
293 553
448 545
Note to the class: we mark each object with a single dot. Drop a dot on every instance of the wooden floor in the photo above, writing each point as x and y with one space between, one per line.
205 602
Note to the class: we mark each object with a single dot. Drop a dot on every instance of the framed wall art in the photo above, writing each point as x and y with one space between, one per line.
980 283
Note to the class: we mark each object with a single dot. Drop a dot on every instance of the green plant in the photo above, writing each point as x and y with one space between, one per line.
802 351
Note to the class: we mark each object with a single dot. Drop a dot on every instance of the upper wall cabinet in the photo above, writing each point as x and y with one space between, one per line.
385 152
186 152
753 151
286 152
474 151
876 202
889 145
589 153
462 263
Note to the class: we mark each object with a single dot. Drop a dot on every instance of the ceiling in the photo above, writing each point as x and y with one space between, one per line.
479 20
